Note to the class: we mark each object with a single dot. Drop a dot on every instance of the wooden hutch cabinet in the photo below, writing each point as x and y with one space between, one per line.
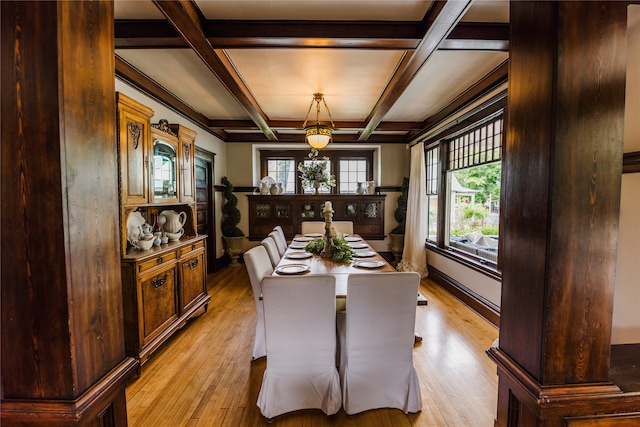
134 123
289 211
164 286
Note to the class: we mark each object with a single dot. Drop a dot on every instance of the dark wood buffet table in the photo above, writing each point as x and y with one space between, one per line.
290 210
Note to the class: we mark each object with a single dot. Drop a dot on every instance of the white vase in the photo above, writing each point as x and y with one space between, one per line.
371 187
360 188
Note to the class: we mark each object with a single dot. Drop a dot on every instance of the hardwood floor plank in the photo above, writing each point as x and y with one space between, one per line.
204 376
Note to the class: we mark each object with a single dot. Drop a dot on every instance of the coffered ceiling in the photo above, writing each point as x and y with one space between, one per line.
247 69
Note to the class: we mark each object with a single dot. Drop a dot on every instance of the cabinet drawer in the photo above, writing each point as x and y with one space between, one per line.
366 229
190 248
154 262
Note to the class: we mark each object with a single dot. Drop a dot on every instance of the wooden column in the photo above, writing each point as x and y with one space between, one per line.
63 358
562 166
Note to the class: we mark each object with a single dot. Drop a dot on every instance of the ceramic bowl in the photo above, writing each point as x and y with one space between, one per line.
145 244
174 237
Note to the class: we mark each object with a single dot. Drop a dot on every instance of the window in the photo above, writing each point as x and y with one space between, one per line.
470 163
432 192
348 166
284 171
352 171
473 185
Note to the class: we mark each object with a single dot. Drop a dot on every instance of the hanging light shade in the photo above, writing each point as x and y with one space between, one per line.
318 135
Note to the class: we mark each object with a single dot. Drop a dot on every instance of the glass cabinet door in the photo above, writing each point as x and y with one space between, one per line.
164 176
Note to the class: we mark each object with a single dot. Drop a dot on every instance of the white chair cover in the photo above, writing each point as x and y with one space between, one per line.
345 227
272 249
300 321
281 236
376 343
281 248
258 267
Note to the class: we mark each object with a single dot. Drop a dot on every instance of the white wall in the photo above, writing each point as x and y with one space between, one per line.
478 283
626 304
204 140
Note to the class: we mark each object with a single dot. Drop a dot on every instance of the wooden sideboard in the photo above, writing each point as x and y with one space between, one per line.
164 286
289 211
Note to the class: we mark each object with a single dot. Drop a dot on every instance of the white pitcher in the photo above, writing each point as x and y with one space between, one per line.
371 187
175 221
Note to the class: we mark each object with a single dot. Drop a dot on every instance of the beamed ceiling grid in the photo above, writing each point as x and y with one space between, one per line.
251 80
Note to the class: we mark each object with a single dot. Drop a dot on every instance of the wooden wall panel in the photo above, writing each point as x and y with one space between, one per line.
585 200
36 343
63 359
563 165
526 169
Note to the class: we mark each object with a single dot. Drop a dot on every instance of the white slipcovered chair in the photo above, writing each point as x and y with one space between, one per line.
345 227
281 248
300 324
258 266
280 234
376 343
271 246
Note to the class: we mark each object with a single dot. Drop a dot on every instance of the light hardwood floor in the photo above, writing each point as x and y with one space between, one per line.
204 375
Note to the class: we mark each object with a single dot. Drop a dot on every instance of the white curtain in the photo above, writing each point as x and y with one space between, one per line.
414 255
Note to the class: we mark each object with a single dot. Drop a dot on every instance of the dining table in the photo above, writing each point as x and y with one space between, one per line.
296 261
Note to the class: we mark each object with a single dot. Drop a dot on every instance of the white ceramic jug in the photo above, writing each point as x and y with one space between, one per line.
175 221
371 187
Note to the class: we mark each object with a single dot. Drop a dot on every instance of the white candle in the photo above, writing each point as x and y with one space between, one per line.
327 206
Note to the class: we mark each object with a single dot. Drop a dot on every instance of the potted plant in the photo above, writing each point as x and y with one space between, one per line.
400 214
314 173
232 235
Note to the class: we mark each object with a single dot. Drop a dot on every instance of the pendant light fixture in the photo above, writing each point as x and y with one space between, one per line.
318 135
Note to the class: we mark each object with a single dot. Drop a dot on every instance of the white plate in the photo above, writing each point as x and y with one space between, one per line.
298 255
352 239
268 180
364 254
292 269
298 245
134 227
314 235
358 245
368 264
303 239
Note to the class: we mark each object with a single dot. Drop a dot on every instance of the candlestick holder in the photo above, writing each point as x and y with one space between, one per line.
327 252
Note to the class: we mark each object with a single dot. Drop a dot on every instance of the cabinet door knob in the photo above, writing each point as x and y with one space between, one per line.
193 264
193 247
159 281
159 260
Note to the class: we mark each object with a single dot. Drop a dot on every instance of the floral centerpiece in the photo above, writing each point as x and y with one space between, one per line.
339 248
314 172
